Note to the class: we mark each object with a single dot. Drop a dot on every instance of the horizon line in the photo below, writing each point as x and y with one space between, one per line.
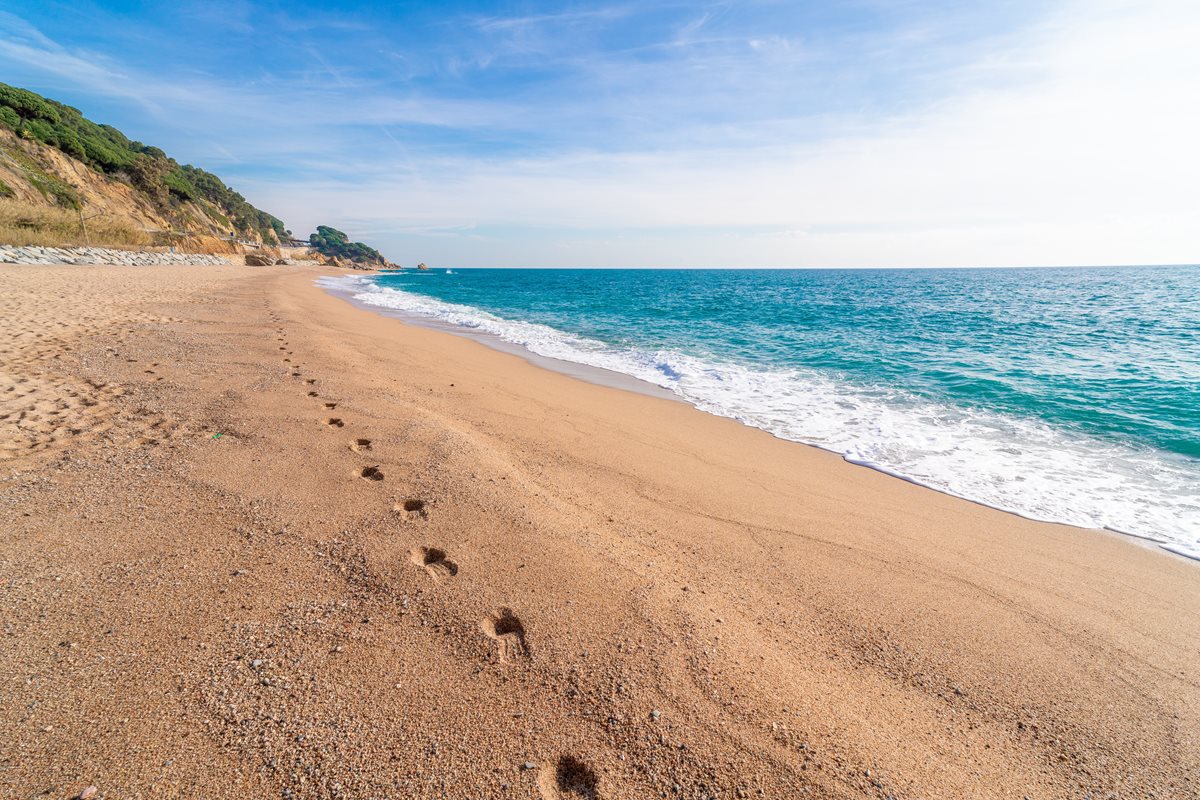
834 269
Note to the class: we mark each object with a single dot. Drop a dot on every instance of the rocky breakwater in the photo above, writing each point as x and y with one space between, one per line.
10 254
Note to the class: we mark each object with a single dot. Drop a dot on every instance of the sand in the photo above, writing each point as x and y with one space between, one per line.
257 542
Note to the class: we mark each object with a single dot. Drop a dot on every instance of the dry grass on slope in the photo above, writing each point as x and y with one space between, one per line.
23 223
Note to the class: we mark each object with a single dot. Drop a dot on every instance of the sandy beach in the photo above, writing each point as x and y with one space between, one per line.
258 542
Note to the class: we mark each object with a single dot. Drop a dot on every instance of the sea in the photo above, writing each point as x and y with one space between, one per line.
1063 394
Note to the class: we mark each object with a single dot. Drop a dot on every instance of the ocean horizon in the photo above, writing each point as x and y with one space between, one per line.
1063 394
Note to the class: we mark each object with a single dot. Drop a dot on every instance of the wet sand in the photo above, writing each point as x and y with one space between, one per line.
257 542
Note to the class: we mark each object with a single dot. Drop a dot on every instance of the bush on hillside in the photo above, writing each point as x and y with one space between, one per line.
9 118
28 105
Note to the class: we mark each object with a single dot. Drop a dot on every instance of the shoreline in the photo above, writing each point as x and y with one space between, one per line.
433 569
618 380
597 376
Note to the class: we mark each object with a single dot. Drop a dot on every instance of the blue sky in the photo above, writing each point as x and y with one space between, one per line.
772 133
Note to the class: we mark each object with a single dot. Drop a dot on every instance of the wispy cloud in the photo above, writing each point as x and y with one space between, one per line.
281 116
23 44
526 23
232 15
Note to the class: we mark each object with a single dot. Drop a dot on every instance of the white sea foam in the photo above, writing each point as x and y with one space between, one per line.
1016 464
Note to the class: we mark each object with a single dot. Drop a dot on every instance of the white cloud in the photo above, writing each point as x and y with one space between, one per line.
23 44
1078 147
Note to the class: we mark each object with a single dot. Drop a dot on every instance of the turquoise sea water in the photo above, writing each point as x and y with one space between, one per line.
1064 394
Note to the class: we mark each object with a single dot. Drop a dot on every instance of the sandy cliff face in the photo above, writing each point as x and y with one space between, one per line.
25 166
32 172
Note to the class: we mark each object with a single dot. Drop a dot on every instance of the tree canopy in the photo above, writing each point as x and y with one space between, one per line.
333 243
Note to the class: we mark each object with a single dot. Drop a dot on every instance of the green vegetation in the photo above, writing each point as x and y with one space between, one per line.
54 189
51 187
148 169
333 243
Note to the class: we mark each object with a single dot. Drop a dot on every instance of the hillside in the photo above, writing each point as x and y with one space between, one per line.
333 244
53 159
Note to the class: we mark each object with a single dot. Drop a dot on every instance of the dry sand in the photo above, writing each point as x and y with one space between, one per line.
255 542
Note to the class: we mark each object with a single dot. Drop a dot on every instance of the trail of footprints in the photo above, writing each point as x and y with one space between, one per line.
569 778
502 624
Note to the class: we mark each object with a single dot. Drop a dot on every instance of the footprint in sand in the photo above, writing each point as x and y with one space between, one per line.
434 561
334 422
312 394
568 780
503 626
413 507
358 445
311 381
371 473
331 406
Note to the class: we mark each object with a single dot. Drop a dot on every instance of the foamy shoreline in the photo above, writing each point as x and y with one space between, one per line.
424 312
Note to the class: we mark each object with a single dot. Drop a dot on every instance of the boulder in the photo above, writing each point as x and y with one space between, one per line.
281 262
259 261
